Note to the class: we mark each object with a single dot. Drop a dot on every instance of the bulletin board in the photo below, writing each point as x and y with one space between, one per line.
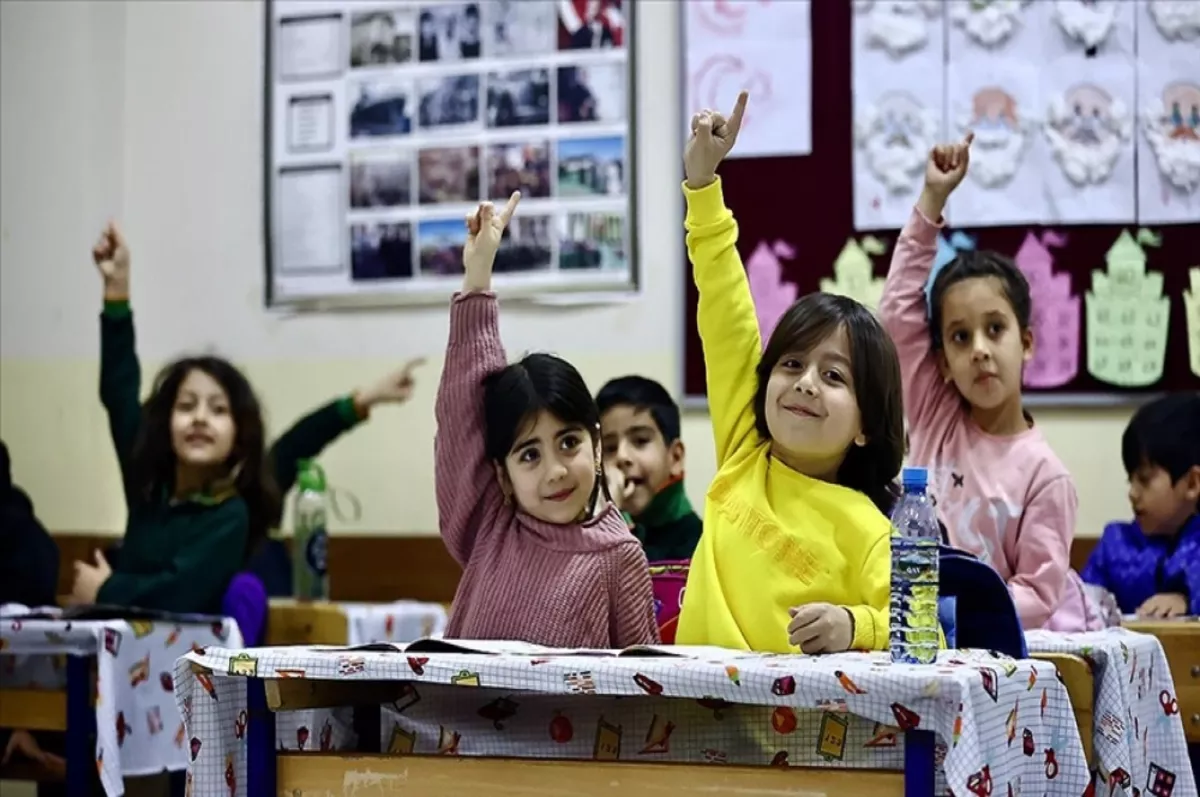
796 214
387 122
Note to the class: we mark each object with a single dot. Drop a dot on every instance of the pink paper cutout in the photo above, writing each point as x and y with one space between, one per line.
772 296
1056 319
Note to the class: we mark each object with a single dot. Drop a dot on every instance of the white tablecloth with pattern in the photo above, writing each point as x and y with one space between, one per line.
1139 743
1000 722
138 726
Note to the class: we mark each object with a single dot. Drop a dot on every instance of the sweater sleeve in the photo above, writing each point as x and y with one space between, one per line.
1095 570
120 381
196 579
1041 551
309 436
904 314
632 599
871 616
1187 563
464 481
725 318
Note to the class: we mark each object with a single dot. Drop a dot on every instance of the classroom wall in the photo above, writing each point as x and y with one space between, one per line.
151 113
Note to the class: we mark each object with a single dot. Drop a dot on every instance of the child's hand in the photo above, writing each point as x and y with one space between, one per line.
112 259
395 388
947 166
821 628
22 744
88 580
1164 605
618 488
712 138
484 229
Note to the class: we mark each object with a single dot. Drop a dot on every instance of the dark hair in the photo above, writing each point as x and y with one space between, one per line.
1164 433
971 264
514 395
875 368
643 394
152 464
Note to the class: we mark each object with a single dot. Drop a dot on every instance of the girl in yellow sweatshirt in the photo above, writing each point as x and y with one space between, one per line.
809 437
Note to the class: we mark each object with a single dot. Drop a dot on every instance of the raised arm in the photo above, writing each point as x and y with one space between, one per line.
313 433
632 599
468 493
903 309
1040 552
725 316
120 372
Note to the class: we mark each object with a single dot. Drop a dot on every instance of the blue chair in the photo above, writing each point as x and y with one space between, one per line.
975 607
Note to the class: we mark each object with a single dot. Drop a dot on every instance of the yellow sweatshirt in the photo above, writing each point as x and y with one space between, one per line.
773 538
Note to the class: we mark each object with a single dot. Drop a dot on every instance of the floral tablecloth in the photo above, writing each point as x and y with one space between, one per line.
1139 741
138 726
1000 722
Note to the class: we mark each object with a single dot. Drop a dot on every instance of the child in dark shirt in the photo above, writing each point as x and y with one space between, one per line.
1152 563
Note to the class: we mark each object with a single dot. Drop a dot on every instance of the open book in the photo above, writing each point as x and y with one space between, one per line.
500 647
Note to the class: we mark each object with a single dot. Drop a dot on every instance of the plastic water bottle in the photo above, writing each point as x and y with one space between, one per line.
310 578
914 598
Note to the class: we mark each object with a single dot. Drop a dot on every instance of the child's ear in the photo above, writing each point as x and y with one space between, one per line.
676 456
505 482
944 366
1027 344
1191 484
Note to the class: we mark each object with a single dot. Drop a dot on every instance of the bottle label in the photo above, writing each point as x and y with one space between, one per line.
314 551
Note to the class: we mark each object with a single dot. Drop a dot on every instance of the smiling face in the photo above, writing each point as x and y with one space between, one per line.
202 426
983 347
811 408
551 469
633 443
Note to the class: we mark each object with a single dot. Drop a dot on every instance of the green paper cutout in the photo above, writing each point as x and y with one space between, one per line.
854 272
1191 306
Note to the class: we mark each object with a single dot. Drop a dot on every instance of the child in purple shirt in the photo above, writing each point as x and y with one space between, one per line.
1001 492
1152 564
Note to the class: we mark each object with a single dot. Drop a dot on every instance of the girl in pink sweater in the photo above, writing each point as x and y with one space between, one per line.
522 503
1001 492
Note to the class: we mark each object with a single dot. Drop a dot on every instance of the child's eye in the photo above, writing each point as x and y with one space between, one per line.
996 329
792 364
568 442
835 377
608 448
527 456
641 442
958 337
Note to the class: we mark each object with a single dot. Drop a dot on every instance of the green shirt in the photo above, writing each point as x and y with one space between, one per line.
669 528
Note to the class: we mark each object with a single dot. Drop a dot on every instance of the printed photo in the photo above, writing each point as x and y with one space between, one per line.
382 38
590 24
518 27
591 166
448 174
592 241
381 108
518 167
381 251
448 33
441 244
519 98
526 245
591 93
380 179
449 101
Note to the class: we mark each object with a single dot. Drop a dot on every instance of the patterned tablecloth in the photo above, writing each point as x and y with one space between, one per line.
138 726
1000 722
1140 746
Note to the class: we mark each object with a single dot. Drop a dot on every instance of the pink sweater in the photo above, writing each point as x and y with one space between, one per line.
585 585
1008 500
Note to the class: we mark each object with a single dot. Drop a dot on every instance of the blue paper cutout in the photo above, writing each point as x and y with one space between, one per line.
947 250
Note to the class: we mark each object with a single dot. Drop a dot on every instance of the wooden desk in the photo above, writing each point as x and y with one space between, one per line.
291 622
1181 643
1077 676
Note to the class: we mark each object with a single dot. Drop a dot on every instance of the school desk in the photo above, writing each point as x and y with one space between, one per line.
1138 737
660 719
292 622
112 679
1181 643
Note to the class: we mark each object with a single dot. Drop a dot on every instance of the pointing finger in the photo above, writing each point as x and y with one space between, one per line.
739 111
510 208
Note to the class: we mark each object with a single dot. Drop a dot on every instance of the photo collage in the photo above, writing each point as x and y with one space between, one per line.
447 104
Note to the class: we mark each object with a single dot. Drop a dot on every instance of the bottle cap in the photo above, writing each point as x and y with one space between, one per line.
914 478
310 476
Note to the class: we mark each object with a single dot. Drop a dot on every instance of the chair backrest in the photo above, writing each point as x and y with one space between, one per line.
668 580
246 602
983 609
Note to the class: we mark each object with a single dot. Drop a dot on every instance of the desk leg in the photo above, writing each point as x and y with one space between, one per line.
81 725
919 769
260 740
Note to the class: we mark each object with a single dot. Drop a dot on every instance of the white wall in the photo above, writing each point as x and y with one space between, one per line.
151 112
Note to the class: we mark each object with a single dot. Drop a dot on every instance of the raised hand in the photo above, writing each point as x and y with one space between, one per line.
111 256
947 166
713 136
395 388
484 229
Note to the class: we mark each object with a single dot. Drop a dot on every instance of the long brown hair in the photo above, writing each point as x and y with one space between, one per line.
875 369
